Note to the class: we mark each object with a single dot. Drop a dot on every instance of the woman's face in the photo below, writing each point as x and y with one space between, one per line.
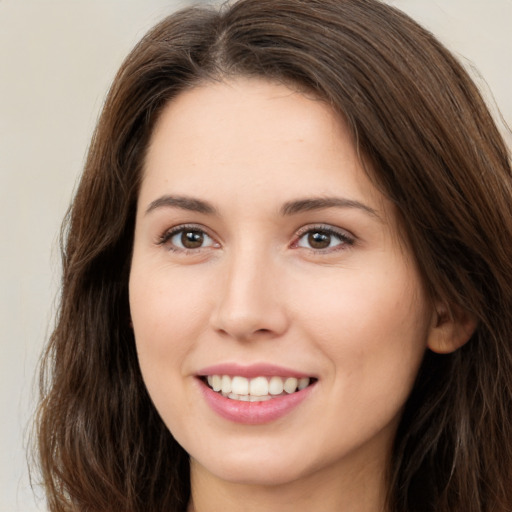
264 258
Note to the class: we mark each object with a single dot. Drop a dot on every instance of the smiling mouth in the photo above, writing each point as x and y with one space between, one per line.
258 389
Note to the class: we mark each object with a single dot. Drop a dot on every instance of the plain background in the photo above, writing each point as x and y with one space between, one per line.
57 59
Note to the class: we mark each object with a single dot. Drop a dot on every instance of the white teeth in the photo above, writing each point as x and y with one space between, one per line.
290 384
303 383
258 386
275 386
216 383
257 389
240 385
226 384
259 398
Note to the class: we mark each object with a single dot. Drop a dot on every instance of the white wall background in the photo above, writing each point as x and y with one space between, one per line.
57 58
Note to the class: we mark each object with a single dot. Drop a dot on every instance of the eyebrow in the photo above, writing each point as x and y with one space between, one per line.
182 202
320 203
289 208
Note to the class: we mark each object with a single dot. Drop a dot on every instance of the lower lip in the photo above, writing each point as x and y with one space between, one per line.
253 413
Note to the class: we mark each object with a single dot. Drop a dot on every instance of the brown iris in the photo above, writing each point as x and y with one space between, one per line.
192 239
319 240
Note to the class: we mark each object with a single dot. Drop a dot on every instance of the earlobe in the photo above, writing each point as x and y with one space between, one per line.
451 328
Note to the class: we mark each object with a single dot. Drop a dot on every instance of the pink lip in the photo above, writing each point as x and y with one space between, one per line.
251 371
253 413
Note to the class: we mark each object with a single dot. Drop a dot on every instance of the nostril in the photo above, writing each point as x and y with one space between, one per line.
245 329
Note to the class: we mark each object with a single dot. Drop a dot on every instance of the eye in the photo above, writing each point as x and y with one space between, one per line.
187 238
323 238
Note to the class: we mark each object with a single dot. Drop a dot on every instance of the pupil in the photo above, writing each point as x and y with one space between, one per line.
192 239
319 240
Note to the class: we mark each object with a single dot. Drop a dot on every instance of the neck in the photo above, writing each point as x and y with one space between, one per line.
329 490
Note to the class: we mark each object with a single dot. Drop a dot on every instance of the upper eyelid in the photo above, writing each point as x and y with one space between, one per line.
346 238
170 232
325 227
299 233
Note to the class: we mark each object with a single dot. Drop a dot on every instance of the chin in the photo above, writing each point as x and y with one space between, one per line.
249 474
255 469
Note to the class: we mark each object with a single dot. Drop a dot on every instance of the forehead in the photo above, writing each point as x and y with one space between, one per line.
251 139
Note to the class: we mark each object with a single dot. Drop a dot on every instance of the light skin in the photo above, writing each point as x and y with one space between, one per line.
293 259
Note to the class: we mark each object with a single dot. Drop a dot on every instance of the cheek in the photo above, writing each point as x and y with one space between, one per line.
374 338
373 327
353 303
168 316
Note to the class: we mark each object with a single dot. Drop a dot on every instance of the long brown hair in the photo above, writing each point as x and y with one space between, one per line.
434 151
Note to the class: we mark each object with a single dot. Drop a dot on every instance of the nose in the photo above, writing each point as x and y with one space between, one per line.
250 303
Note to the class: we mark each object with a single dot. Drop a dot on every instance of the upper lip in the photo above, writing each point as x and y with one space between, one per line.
251 371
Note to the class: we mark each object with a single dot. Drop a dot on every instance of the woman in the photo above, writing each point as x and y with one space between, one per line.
286 275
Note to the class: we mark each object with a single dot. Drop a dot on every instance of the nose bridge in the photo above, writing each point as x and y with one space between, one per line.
250 303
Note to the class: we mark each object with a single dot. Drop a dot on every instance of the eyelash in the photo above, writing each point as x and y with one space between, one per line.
346 240
166 237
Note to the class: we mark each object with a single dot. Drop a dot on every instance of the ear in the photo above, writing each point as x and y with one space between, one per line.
451 328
